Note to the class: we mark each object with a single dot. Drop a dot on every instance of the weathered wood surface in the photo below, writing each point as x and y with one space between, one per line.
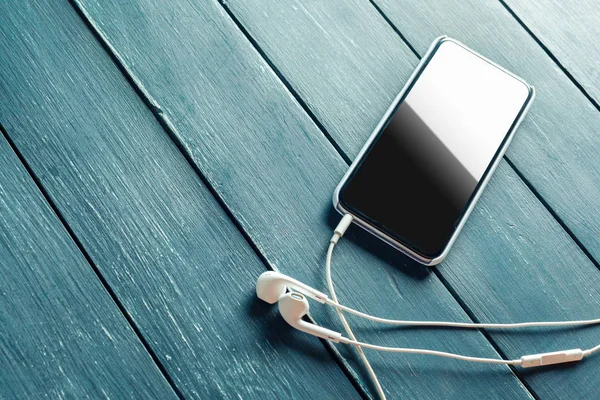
570 32
276 171
169 252
312 63
61 334
270 146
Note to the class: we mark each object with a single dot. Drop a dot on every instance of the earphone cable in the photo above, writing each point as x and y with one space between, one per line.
526 361
430 352
466 325
339 232
591 351
347 328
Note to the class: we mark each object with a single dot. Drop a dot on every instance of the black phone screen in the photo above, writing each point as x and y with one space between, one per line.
417 178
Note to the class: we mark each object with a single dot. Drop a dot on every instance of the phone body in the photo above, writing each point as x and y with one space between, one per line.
420 173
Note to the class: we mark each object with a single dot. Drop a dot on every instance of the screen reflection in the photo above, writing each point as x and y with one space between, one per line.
417 179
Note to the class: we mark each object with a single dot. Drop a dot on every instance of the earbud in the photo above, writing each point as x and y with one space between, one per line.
293 306
271 286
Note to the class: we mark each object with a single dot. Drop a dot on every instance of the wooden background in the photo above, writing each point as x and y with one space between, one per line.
156 156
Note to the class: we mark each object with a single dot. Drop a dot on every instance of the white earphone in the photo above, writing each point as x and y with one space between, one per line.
273 287
293 306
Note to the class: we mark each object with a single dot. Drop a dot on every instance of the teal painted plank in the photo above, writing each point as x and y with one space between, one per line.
570 31
517 241
61 334
349 79
169 252
557 147
276 172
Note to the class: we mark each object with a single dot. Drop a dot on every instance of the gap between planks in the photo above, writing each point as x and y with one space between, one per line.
551 55
90 262
171 131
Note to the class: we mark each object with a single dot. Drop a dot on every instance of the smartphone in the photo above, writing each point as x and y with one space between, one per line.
420 173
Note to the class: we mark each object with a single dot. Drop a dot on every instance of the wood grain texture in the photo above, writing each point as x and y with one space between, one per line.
570 31
517 232
276 172
164 245
557 146
61 334
350 78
